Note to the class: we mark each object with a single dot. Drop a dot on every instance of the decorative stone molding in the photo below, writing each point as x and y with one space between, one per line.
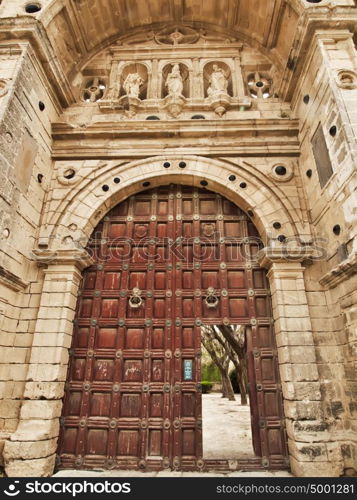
176 35
3 87
12 281
260 85
281 177
340 273
258 194
220 103
346 79
94 89
280 254
80 258
68 175
174 104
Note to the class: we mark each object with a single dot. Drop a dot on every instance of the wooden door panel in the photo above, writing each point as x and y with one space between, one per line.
133 390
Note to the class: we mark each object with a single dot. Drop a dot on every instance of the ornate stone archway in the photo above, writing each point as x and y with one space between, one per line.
75 210
34 443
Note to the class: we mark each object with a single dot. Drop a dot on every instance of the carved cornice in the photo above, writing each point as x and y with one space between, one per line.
246 136
281 255
313 21
12 281
79 258
340 273
27 29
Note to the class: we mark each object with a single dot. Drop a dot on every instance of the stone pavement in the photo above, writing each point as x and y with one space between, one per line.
226 428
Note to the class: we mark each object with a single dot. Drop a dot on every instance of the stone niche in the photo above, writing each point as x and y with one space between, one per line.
176 72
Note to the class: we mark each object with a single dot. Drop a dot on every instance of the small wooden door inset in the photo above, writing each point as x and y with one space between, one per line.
133 393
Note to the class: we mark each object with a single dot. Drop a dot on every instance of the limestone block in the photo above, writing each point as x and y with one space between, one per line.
53 325
316 298
308 452
303 410
293 324
10 425
56 313
332 389
287 297
28 313
12 389
44 390
7 339
329 354
309 431
47 372
49 355
317 469
294 339
53 340
58 300
41 409
9 408
287 282
300 391
29 449
334 452
319 312
42 467
299 372
320 325
13 371
36 288
297 354
64 284
13 355
36 430
295 311
24 340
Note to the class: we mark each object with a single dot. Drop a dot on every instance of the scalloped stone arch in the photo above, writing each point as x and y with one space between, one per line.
88 206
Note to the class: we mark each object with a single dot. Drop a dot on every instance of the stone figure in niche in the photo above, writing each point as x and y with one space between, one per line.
218 81
132 85
174 81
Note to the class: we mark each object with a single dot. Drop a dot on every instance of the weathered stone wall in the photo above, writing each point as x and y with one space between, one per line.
330 283
25 160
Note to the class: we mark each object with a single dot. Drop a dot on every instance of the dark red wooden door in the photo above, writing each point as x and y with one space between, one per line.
133 395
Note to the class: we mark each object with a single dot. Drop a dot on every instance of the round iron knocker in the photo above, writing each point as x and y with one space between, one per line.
135 300
211 300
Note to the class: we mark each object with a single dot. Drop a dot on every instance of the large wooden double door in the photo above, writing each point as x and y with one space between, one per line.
166 261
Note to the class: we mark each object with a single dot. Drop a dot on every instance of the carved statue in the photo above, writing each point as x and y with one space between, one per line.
218 81
132 85
174 81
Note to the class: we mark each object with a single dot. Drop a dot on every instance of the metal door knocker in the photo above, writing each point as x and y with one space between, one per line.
135 300
211 299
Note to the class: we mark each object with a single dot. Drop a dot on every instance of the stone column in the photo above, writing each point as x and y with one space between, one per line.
154 92
307 430
238 82
114 82
197 80
31 451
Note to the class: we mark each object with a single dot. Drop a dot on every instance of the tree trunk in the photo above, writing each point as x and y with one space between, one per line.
223 365
230 337
229 388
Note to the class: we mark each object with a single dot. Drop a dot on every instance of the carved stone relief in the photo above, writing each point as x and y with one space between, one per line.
169 73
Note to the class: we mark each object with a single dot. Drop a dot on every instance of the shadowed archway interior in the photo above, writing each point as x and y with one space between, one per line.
133 392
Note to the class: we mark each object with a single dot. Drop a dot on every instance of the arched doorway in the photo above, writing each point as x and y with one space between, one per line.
133 394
